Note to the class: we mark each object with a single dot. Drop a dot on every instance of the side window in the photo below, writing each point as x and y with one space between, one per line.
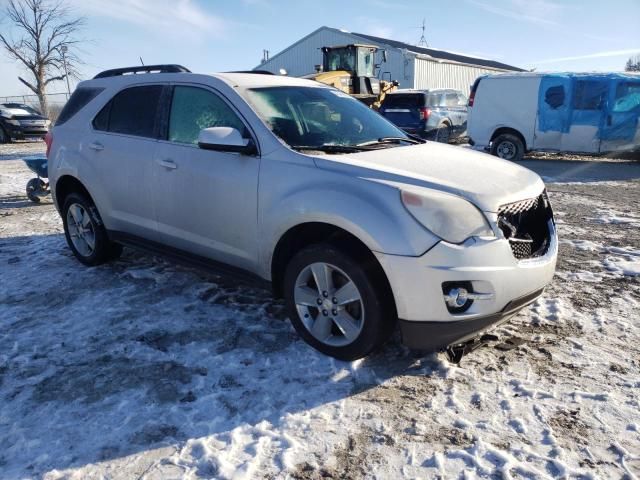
193 109
81 96
627 97
555 96
462 100
589 95
132 112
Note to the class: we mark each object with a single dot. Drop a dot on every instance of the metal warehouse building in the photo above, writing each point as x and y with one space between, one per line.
413 67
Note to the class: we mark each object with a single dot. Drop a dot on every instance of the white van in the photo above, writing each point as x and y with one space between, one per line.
512 113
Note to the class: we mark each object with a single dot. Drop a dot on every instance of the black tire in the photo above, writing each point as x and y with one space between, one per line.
508 147
443 133
103 250
34 187
379 315
4 136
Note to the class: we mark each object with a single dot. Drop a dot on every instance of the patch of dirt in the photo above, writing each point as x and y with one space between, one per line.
569 425
352 460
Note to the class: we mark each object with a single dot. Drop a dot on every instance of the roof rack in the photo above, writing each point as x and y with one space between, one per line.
256 72
115 72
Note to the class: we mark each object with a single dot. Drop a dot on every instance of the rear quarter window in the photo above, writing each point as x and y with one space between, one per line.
399 100
434 100
79 99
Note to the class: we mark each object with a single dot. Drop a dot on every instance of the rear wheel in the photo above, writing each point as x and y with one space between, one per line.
508 147
336 303
443 133
85 233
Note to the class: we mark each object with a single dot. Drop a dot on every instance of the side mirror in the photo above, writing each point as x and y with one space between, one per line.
225 139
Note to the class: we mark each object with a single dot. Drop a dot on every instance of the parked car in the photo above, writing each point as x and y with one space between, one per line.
19 121
439 114
512 113
357 225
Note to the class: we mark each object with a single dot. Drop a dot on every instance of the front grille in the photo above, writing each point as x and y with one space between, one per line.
525 225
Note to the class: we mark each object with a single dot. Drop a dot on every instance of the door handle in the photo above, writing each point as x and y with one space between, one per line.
168 164
97 146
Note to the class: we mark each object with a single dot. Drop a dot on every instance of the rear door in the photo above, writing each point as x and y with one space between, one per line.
206 200
621 129
405 110
119 153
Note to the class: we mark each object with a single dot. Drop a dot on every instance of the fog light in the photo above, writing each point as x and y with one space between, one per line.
459 296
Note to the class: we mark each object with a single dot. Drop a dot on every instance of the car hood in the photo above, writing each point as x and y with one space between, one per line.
485 180
19 113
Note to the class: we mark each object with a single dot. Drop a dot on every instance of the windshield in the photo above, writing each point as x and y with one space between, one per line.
317 116
340 59
365 62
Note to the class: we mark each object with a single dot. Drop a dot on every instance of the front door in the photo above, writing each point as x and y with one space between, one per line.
206 201
621 130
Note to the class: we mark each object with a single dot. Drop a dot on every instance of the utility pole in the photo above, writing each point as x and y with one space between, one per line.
63 50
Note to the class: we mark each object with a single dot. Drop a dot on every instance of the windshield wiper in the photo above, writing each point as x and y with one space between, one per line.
331 148
383 140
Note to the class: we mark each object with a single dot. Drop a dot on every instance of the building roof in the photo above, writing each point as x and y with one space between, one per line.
431 52
440 54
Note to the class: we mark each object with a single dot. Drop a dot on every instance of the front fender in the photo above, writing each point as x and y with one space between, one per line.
370 211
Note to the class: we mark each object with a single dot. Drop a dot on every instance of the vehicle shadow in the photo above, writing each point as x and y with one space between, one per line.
596 170
21 201
97 364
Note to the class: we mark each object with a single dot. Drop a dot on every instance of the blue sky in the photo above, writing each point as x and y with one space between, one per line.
211 35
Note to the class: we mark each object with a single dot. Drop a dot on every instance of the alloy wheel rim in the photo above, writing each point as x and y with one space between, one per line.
506 150
329 304
81 230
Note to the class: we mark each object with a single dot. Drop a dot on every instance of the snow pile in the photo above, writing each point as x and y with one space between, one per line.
608 216
619 261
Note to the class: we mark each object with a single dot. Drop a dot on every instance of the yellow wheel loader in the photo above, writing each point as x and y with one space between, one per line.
351 68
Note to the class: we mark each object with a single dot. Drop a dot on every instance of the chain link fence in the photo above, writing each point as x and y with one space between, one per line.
55 102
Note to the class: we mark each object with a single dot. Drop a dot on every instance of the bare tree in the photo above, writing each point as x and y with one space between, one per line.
633 64
45 37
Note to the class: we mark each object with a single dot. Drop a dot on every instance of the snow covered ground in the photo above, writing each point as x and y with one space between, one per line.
146 369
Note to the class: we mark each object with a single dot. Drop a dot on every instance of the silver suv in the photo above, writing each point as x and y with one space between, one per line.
358 226
436 114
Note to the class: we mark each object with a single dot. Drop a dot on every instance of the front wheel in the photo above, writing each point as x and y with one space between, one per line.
4 136
508 147
85 233
336 303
